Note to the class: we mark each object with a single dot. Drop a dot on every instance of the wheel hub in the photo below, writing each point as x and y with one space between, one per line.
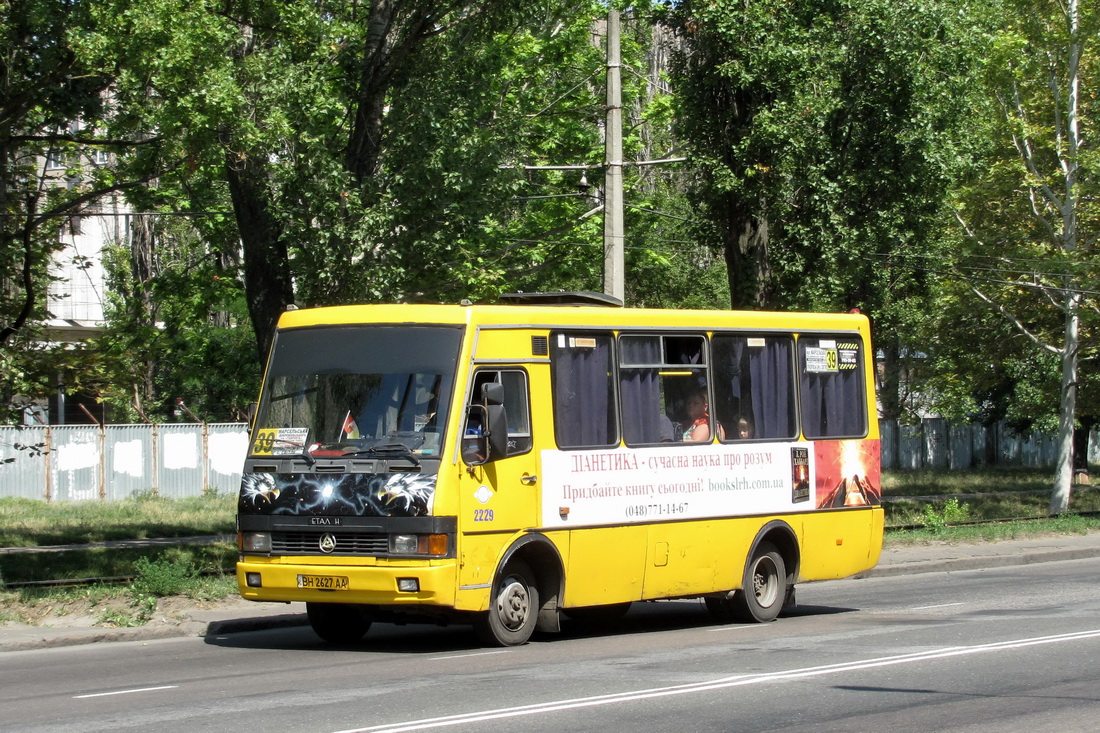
764 582
513 605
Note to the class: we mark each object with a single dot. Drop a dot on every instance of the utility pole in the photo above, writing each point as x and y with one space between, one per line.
614 269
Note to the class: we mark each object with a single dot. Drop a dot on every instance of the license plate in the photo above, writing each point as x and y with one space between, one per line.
323 582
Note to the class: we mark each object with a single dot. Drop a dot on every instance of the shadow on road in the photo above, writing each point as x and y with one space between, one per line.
643 618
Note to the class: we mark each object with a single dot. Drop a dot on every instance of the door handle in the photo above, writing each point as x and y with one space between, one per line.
528 480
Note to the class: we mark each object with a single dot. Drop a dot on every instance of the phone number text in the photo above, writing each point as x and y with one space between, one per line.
656 510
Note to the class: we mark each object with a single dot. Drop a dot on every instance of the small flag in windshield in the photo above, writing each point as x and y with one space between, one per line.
350 429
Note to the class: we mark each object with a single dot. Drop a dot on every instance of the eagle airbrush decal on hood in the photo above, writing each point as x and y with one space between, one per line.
358 494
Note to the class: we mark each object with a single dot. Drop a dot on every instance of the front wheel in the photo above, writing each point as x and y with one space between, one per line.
337 623
763 588
513 609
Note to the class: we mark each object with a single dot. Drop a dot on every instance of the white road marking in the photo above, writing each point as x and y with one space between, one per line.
739 627
125 692
463 656
940 605
718 684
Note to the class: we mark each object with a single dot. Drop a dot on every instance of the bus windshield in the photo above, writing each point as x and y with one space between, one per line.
378 391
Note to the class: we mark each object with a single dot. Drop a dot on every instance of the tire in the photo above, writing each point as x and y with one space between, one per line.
763 588
337 623
513 608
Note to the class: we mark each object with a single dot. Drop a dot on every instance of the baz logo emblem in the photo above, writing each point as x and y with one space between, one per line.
328 542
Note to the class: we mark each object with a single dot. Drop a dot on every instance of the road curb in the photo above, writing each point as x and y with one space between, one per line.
260 623
984 562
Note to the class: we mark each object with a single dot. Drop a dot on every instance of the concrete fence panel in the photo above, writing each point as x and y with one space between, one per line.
129 460
23 469
81 463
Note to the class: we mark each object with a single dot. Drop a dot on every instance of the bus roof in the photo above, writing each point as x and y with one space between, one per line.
562 315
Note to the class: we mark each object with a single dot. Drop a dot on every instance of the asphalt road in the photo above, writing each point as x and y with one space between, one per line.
1005 649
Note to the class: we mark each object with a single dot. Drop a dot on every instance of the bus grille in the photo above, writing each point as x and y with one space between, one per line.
309 543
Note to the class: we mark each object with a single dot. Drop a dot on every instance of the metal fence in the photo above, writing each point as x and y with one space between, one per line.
937 443
78 463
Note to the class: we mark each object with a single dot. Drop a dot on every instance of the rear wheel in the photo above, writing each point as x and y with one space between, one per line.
337 623
513 609
763 588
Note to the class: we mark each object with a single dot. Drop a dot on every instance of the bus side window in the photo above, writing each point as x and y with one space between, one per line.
659 377
754 386
516 404
584 393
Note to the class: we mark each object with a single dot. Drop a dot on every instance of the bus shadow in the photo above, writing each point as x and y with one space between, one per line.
642 618
658 616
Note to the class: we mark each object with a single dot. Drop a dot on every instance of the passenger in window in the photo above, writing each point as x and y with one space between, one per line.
744 429
698 411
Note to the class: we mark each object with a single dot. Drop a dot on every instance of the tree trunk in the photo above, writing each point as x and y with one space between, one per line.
142 242
1081 433
365 137
1063 474
267 282
745 248
889 385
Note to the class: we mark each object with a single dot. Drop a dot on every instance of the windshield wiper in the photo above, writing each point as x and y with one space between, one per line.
399 450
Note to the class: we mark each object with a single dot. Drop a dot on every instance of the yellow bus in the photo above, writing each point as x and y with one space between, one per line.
502 465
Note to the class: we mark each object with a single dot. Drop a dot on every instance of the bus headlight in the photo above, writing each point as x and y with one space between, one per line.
256 542
403 544
418 544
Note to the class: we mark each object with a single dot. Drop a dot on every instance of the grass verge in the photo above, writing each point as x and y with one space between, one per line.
114 605
30 522
934 499
161 576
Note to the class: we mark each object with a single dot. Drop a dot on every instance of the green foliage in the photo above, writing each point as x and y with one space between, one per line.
952 512
1028 206
162 577
825 136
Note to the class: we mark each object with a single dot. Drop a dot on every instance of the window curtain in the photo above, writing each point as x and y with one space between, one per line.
583 402
772 398
640 392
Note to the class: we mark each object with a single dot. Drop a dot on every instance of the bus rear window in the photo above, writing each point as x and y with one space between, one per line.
832 387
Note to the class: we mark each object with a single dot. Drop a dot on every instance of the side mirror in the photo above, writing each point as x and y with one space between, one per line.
492 393
475 438
485 435
496 419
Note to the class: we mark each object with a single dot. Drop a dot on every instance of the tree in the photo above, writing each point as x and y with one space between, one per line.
824 135
1030 216
54 116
